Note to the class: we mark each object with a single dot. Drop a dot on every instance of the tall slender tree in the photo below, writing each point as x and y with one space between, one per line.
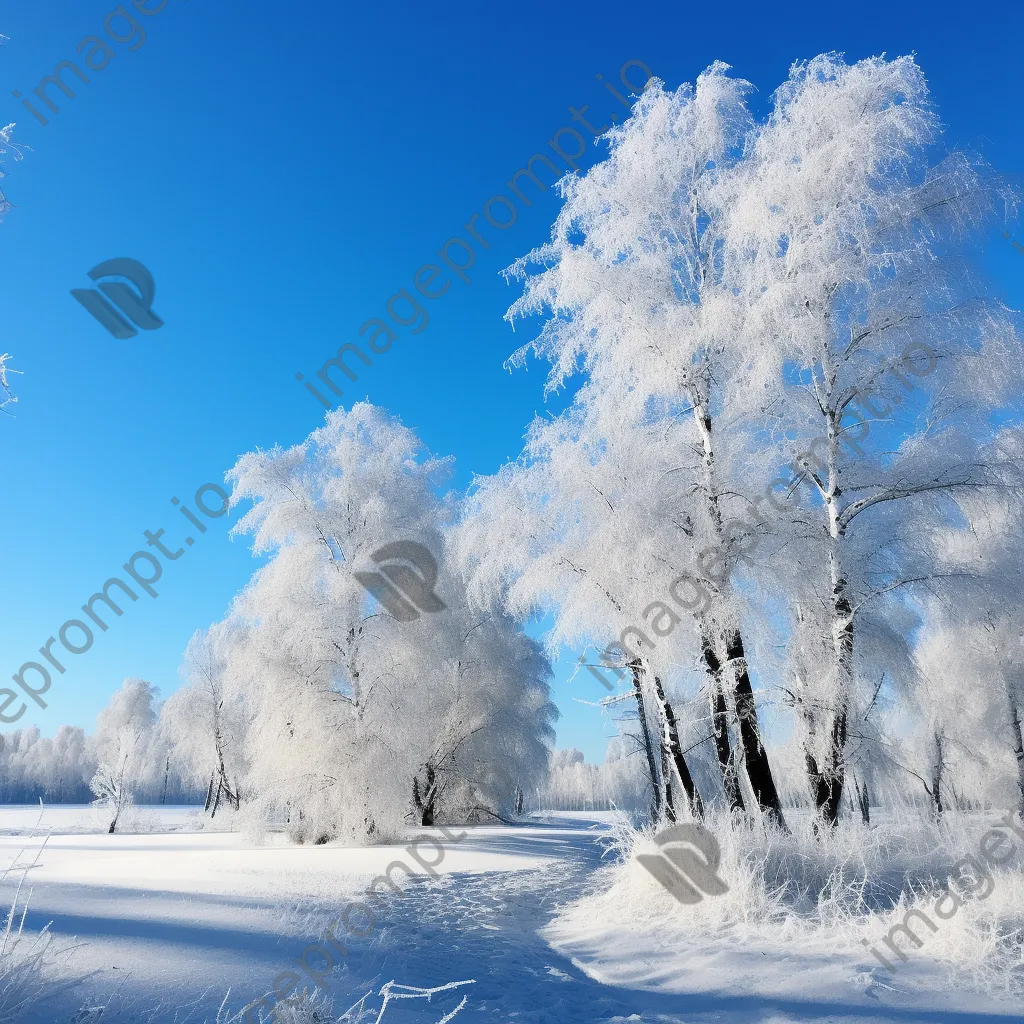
850 250
633 283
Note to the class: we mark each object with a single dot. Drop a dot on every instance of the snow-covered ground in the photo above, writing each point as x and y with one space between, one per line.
176 915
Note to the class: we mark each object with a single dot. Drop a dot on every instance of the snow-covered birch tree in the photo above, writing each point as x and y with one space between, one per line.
851 246
571 529
122 742
633 283
358 717
206 726
971 640
6 397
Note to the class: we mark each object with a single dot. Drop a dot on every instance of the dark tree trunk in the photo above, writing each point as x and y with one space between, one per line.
1018 748
666 786
815 778
167 772
830 791
865 802
937 771
425 800
209 794
672 747
417 798
755 757
827 783
216 802
645 732
519 801
720 726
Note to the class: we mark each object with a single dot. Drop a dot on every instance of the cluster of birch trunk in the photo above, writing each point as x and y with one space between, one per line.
783 495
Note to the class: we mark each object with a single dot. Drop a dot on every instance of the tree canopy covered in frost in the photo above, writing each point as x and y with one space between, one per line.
339 719
205 725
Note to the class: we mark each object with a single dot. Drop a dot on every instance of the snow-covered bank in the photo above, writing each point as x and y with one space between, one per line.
801 915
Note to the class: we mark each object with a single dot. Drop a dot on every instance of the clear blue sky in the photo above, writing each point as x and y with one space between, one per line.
283 171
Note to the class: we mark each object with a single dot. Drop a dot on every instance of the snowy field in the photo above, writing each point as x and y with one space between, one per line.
179 915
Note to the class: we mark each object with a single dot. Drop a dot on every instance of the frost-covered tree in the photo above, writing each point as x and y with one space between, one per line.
484 703
123 746
971 640
633 280
574 785
357 717
34 766
744 298
851 248
6 396
70 773
6 146
204 726
328 714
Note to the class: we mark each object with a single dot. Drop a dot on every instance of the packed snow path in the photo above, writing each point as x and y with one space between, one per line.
174 916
